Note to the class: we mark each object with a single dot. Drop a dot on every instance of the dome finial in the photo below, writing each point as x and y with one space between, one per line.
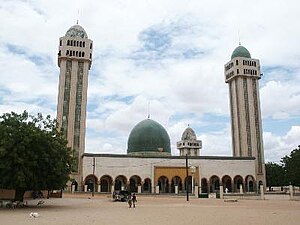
148 110
77 16
239 37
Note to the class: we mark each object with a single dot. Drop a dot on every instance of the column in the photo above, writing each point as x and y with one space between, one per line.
176 190
157 189
262 194
291 191
221 192
196 191
139 189
241 189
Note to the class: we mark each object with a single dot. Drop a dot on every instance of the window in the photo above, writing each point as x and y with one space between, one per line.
60 42
80 44
79 54
67 52
76 53
237 71
90 55
236 62
84 44
91 45
83 53
68 42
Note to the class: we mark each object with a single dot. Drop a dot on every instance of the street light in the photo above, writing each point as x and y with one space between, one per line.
186 179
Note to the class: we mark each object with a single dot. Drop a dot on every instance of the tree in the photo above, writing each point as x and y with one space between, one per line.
33 154
292 166
275 175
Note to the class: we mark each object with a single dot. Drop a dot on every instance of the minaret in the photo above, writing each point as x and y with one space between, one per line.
242 74
189 145
74 60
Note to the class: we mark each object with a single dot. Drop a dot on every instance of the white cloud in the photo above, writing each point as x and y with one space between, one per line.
277 146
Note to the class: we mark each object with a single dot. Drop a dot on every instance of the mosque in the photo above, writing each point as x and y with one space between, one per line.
148 166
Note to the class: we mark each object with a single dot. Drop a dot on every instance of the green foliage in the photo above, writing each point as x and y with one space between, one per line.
292 166
33 154
275 175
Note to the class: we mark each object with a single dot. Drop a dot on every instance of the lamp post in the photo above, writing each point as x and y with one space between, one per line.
94 162
193 170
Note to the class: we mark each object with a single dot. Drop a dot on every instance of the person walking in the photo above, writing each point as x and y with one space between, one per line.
129 201
134 200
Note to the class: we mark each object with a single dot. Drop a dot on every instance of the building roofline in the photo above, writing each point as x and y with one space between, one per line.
167 157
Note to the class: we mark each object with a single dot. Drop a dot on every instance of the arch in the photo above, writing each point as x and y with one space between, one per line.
147 185
105 183
163 183
74 182
214 183
80 43
83 44
82 54
91 181
77 43
189 182
134 182
79 54
237 181
67 53
68 42
250 183
204 185
73 53
176 181
227 183
120 183
76 53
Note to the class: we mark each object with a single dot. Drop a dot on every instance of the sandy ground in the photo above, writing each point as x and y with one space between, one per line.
155 210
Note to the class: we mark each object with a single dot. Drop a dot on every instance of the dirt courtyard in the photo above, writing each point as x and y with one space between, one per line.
155 210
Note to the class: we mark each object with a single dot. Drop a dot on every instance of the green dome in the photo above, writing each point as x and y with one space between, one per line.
240 51
149 138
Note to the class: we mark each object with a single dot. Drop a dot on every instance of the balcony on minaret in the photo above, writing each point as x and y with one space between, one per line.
241 66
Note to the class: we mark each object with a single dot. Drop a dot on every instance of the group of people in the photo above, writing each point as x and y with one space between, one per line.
132 200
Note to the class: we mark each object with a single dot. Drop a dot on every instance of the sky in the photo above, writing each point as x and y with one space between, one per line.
169 53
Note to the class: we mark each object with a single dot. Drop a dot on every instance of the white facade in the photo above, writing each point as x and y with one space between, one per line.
144 167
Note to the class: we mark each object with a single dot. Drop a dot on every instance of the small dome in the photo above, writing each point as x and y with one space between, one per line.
189 135
76 31
240 51
149 138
